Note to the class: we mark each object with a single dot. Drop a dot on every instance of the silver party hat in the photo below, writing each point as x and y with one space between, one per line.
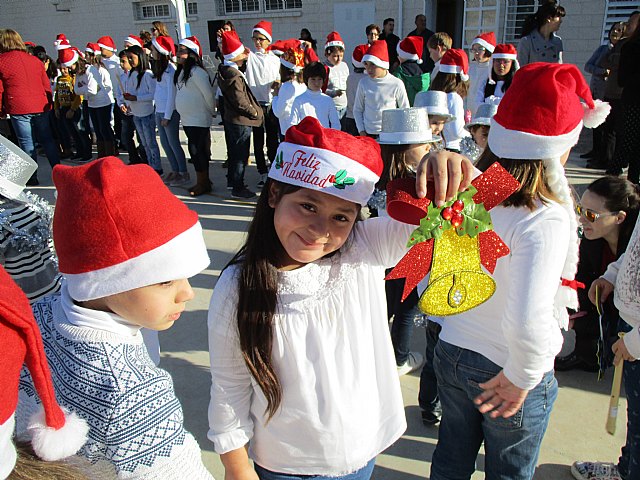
16 167
435 102
403 126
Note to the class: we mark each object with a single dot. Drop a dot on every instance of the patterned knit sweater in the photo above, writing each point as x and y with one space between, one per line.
107 378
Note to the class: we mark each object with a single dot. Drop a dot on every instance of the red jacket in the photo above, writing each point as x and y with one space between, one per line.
24 85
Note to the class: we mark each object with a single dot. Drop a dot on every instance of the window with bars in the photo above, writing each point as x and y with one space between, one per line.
226 7
145 11
192 8
617 11
479 16
516 13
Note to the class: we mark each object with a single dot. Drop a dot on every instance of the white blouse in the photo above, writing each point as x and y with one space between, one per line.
332 351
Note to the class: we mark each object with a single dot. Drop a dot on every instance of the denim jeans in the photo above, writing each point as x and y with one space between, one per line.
363 474
239 146
34 127
127 132
199 142
146 127
170 140
629 461
511 444
404 315
428 394
101 119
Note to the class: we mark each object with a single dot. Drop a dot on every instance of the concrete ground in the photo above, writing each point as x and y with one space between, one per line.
576 430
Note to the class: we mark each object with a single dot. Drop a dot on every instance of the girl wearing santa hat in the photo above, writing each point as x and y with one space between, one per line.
504 64
479 68
302 367
494 363
453 79
338 71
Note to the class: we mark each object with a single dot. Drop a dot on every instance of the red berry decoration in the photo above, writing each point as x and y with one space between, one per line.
458 205
456 219
447 213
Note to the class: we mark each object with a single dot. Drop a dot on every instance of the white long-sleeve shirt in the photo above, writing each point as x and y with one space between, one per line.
142 106
262 70
338 75
318 105
478 76
165 94
352 87
341 403
283 102
375 95
95 85
454 130
113 67
516 327
194 99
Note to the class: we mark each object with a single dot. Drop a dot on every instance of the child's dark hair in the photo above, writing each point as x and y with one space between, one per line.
450 82
314 69
143 62
547 10
490 88
394 165
287 74
258 292
534 185
620 195
331 50
192 60
440 39
159 66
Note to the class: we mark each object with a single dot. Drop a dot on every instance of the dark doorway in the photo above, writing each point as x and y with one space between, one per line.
449 19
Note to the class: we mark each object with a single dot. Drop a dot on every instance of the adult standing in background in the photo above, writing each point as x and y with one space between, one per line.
539 42
25 94
421 30
392 40
373 33
159 29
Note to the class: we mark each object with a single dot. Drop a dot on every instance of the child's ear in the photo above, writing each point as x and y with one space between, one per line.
274 190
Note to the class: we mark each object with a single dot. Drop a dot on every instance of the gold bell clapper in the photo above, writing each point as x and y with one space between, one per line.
452 242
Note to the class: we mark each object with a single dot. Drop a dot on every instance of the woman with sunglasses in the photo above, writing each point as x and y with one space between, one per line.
608 211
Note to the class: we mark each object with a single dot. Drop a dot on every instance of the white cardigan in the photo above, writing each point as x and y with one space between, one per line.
194 99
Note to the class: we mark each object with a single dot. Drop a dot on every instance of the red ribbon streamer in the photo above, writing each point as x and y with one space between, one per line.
572 284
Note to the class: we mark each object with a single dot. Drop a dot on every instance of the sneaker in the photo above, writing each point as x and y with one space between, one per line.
595 471
244 193
262 181
414 361
180 179
167 178
430 418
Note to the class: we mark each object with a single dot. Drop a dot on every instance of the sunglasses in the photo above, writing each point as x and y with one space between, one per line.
590 215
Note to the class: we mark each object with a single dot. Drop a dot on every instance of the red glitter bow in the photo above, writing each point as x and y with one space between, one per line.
572 284
494 186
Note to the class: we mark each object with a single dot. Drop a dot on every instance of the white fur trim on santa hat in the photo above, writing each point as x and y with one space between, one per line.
528 146
235 53
74 58
508 56
158 47
8 454
407 55
376 61
290 65
447 68
106 47
484 43
191 45
51 444
316 168
334 43
594 117
133 41
263 32
181 257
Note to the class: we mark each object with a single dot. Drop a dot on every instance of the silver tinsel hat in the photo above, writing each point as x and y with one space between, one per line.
435 102
483 115
16 167
403 126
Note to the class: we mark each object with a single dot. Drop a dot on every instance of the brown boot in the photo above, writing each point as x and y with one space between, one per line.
100 148
203 184
109 148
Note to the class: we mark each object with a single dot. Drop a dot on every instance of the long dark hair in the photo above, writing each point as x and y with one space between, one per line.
160 66
490 88
620 195
258 293
193 60
547 10
394 164
143 62
450 82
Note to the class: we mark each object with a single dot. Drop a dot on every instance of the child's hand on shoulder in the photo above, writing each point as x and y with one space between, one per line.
449 171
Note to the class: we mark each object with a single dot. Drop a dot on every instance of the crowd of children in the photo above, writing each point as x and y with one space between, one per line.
304 364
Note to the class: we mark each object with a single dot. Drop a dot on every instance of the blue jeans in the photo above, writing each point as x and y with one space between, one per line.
73 128
428 393
363 474
239 146
146 128
404 315
101 119
33 127
170 140
629 461
511 444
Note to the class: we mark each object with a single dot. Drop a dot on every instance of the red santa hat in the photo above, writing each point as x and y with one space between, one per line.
61 42
92 48
30 44
358 54
164 45
487 40
378 54
277 47
540 118
265 28
410 48
134 40
192 43
455 61
55 432
107 232
231 45
334 40
329 161
506 51
107 43
68 56
293 56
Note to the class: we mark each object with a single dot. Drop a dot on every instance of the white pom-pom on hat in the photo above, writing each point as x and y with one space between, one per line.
594 117
51 444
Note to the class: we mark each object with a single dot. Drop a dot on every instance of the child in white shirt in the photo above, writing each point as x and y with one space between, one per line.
338 72
314 103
